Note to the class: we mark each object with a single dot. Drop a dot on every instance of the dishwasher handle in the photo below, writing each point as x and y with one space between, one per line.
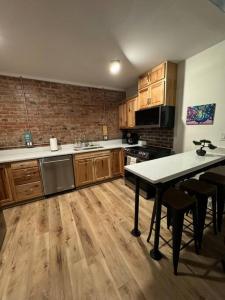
54 161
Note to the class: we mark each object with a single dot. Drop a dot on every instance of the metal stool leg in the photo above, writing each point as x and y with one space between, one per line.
178 220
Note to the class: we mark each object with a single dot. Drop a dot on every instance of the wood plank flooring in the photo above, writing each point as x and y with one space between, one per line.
78 246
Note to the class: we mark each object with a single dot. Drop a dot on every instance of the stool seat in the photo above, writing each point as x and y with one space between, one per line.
213 178
218 170
198 187
177 199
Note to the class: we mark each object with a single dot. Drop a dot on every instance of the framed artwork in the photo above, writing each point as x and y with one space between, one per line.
201 114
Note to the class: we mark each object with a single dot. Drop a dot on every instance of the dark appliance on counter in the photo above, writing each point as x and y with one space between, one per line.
158 117
131 138
143 153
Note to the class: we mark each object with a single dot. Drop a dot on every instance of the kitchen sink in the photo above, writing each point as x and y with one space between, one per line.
87 148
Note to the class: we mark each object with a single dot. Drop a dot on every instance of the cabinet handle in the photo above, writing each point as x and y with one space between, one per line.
28 175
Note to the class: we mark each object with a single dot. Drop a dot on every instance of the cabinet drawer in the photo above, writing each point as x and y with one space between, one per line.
88 155
23 176
24 164
28 191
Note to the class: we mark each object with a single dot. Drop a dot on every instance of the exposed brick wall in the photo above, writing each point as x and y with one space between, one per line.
65 111
156 136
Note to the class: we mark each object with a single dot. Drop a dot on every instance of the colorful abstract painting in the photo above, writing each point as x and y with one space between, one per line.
201 114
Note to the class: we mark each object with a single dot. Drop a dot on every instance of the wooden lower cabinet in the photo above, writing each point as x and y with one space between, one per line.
116 162
26 180
97 166
102 168
84 171
28 191
5 188
2 228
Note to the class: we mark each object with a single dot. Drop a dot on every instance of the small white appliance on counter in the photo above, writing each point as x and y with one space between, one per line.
53 144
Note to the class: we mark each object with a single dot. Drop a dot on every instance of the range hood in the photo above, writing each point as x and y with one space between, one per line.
155 117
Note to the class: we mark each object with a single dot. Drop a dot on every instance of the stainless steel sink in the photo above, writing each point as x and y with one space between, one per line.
87 148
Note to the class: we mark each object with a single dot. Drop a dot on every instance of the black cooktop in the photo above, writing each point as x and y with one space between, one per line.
148 152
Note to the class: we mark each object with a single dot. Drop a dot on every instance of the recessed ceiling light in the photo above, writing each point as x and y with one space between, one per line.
115 67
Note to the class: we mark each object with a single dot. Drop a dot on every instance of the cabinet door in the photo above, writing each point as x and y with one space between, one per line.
158 73
143 81
116 162
123 115
102 168
144 98
84 172
158 93
131 108
5 190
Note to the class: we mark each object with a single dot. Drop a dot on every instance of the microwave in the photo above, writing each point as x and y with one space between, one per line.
155 117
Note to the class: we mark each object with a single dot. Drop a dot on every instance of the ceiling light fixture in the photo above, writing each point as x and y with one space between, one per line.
115 67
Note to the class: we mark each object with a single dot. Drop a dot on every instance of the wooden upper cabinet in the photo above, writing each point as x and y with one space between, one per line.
131 108
5 189
123 115
158 73
84 173
158 93
144 98
102 168
143 81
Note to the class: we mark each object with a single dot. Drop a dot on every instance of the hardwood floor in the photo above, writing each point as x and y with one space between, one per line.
78 246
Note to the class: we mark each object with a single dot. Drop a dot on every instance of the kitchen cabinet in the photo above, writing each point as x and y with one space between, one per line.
123 115
102 168
143 81
2 228
144 98
162 86
5 189
158 73
97 166
116 162
157 93
131 108
26 180
84 171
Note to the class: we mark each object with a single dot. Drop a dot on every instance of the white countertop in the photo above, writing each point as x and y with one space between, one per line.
41 152
171 167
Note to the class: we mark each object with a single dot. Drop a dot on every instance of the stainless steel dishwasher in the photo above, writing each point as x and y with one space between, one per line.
57 174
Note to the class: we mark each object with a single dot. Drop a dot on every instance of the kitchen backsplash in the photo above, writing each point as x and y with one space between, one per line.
54 109
155 136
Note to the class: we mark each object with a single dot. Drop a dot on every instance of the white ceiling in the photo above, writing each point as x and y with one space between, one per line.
74 40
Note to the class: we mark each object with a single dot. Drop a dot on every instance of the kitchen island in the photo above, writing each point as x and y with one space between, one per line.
165 172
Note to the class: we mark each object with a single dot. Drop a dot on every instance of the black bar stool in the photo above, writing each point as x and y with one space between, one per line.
178 203
202 191
216 176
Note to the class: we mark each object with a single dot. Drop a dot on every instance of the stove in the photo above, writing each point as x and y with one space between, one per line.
143 153
147 152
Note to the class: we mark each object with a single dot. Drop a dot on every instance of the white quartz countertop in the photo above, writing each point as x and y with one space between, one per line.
171 167
41 152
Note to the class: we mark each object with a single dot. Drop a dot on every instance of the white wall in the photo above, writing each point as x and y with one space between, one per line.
201 80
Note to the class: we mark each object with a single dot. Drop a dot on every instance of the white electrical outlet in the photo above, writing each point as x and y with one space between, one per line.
222 136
